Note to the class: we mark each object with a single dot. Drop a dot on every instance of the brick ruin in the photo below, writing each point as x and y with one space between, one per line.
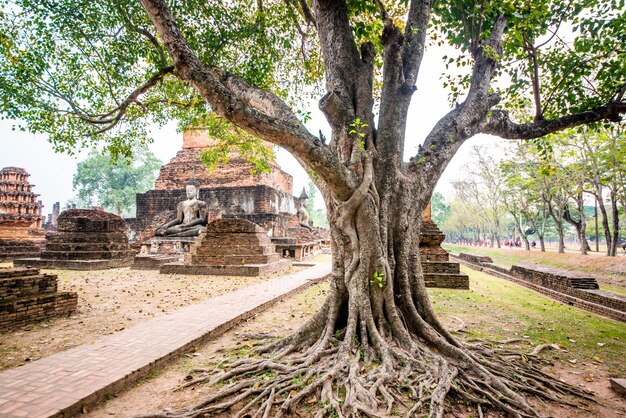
26 297
230 191
232 247
438 270
20 215
86 239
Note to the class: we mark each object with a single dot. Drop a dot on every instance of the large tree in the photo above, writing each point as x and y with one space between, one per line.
114 184
84 69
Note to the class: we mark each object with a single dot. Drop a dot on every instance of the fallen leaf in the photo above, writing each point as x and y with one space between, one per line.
597 359
85 409
601 344
573 361
293 393
312 400
572 341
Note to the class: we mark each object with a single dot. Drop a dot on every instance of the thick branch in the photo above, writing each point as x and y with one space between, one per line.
415 39
259 112
463 122
499 124
341 57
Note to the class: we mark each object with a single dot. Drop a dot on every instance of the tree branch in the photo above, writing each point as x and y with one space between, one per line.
463 122
258 112
499 124
415 39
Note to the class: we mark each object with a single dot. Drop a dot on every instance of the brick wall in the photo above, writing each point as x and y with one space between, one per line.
27 297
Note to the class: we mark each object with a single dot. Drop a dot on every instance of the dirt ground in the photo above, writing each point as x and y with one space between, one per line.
109 301
156 392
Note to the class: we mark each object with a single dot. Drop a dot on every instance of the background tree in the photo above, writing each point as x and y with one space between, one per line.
84 70
115 184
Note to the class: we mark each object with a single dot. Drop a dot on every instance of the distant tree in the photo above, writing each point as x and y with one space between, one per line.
440 211
113 184
317 215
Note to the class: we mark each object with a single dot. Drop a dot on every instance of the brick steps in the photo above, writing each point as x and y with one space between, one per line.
446 280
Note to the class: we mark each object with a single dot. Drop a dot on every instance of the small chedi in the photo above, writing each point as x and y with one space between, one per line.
86 239
187 196
20 216
438 270
232 247
26 296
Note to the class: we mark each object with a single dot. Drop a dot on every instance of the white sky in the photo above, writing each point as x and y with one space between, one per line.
52 173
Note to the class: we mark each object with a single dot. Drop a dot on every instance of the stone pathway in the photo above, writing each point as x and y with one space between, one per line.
64 384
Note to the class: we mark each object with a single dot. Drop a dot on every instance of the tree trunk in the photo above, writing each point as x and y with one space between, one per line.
615 223
608 237
580 225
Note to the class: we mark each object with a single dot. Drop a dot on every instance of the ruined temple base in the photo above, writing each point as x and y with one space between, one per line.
444 274
248 270
153 261
290 248
26 296
52 264
12 249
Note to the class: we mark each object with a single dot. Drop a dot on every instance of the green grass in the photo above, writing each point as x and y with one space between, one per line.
496 309
615 289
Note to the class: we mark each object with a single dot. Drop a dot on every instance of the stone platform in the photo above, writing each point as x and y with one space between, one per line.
26 296
153 261
444 274
232 247
12 249
72 264
86 239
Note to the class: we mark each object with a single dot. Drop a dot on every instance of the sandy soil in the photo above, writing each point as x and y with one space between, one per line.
109 301
156 392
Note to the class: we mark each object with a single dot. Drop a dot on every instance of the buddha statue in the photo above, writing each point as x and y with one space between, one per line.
191 216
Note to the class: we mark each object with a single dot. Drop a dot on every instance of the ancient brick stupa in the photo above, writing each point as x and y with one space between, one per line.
20 215
232 247
86 239
26 296
438 270
230 191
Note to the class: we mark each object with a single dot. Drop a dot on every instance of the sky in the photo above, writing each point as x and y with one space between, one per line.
51 173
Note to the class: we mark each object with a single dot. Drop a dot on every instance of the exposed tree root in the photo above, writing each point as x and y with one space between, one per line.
339 379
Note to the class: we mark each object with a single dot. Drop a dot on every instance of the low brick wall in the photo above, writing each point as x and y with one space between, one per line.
27 297
472 258
603 303
553 278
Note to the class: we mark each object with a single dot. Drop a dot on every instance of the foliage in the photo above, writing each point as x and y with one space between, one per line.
69 68
114 183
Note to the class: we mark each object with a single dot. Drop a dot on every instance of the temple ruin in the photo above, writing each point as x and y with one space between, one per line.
229 191
26 297
231 247
438 270
86 239
21 233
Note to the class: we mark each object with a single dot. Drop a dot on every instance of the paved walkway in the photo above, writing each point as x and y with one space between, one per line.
61 384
